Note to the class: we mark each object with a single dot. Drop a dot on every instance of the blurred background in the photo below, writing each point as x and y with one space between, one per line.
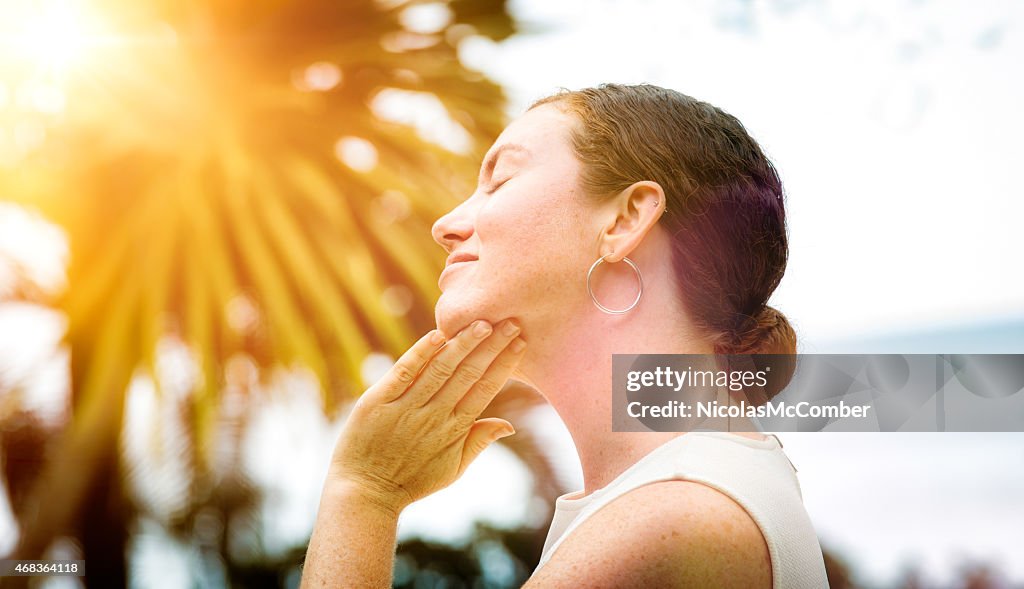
214 235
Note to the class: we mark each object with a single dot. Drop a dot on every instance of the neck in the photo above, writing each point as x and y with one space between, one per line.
571 366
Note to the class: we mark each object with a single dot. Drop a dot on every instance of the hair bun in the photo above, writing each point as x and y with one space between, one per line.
767 333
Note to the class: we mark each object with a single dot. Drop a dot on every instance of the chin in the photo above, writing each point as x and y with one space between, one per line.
457 308
452 315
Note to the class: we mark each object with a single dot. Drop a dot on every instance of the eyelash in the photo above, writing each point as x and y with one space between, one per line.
495 188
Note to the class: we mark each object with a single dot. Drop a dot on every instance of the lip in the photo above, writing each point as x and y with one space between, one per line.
459 257
452 265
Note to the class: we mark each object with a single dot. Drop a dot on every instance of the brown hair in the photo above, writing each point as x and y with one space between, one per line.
724 202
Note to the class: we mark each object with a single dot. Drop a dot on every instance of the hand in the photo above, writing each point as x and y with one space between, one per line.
416 430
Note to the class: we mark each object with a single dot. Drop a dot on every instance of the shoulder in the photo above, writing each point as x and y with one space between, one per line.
666 534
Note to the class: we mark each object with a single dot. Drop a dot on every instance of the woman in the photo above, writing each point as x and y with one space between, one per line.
570 189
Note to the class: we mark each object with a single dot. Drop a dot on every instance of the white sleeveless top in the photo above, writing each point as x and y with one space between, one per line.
756 474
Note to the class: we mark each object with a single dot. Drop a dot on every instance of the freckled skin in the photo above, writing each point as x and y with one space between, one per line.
529 235
672 534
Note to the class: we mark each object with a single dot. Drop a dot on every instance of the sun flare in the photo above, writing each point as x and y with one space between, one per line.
46 37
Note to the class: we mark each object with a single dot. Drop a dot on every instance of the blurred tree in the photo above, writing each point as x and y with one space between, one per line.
226 173
493 559
977 575
837 571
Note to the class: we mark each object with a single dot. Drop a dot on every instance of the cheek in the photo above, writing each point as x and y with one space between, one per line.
533 209
533 250
516 233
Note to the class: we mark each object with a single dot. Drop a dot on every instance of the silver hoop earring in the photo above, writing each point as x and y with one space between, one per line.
639 279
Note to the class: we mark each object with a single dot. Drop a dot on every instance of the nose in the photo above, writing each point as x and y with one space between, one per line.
453 227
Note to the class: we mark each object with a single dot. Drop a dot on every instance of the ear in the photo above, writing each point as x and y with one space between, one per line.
633 212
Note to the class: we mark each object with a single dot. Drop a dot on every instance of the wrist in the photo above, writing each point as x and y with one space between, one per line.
362 497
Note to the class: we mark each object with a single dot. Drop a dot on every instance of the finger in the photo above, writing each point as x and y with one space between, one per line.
405 369
483 392
473 368
483 433
443 365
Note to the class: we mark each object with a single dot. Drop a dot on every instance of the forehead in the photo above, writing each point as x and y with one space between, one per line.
543 130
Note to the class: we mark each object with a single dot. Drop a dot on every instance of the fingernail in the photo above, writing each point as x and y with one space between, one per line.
517 344
437 337
511 328
481 329
505 434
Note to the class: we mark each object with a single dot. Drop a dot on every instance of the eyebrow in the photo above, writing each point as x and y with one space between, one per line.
488 168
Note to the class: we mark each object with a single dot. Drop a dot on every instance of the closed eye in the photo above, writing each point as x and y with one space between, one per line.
495 187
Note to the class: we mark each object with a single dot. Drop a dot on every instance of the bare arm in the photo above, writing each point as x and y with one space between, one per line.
353 542
409 435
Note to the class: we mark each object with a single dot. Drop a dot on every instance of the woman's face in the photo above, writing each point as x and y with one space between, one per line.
527 234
